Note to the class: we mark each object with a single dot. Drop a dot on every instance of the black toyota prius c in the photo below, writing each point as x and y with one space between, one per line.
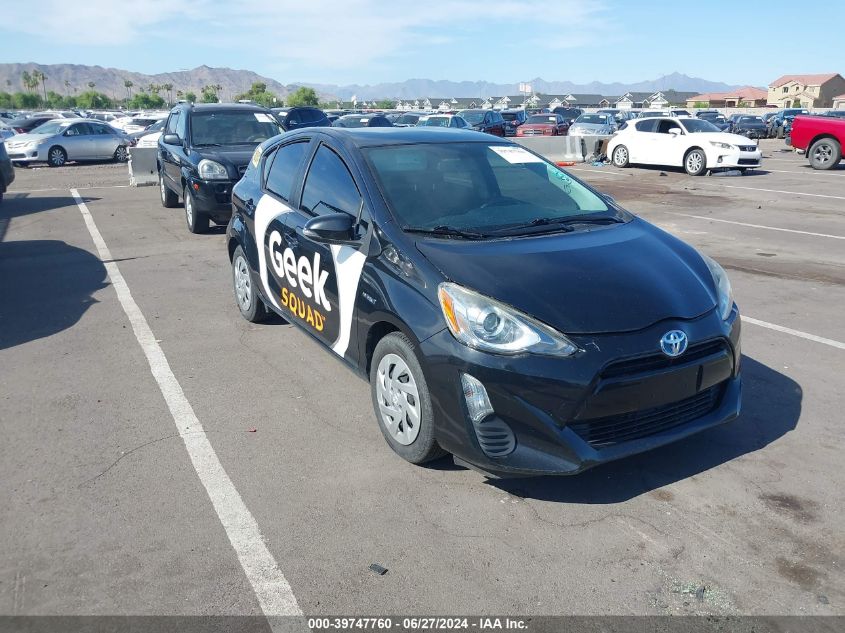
501 309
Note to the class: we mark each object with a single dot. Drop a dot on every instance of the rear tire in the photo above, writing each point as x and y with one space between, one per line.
695 162
169 199
621 157
121 154
401 400
825 153
251 306
197 222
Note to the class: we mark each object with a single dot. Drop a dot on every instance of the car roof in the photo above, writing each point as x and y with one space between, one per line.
379 136
204 107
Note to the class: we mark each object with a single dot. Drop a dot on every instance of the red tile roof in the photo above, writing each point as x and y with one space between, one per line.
807 80
748 93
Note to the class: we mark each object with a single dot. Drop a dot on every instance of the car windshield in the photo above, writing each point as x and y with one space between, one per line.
408 119
435 121
694 126
232 127
479 188
510 116
751 119
472 116
50 127
595 119
542 118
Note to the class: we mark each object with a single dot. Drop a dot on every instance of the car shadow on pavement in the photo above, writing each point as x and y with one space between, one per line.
16 205
46 285
771 407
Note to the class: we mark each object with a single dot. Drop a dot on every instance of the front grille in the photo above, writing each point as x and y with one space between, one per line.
747 148
747 161
13 156
532 132
659 361
615 429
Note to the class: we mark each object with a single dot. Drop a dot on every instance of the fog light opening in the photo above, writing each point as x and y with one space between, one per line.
478 403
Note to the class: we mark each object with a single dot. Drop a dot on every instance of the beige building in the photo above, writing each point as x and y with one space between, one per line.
805 91
747 97
839 102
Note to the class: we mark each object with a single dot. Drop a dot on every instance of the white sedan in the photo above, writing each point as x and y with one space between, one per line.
694 144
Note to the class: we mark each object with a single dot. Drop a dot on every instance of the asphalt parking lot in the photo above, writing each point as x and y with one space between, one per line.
104 511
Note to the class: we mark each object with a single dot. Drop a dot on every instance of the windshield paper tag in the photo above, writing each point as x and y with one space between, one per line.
515 155
262 118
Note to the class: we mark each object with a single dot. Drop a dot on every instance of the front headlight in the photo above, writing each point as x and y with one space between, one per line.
723 287
485 324
212 170
721 145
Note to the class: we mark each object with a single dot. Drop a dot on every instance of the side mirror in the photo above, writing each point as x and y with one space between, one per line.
675 131
334 228
171 139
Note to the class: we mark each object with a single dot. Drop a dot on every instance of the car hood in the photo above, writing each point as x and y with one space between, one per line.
237 155
721 137
537 126
615 278
751 126
29 137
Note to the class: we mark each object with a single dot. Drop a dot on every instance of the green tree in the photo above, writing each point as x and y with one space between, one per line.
191 97
302 96
91 100
258 93
385 104
128 85
168 88
91 85
5 100
209 95
145 101
26 100
26 80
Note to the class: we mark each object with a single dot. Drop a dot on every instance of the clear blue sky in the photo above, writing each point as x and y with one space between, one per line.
371 41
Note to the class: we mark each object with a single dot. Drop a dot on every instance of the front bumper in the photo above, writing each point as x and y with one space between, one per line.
616 398
733 159
213 198
27 154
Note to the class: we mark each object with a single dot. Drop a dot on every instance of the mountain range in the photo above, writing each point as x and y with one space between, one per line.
74 78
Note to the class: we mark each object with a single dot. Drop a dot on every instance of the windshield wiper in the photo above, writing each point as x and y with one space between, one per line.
554 224
443 229
208 145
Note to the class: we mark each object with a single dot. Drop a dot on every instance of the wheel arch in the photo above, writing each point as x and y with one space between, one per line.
819 137
700 149
381 327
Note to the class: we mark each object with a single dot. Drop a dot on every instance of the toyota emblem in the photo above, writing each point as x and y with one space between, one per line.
674 343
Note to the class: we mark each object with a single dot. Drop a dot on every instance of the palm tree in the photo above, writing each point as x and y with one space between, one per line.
26 80
179 94
67 87
169 89
128 85
217 89
43 78
8 84
91 85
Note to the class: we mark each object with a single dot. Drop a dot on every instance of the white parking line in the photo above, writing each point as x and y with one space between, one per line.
799 333
596 171
274 594
756 226
810 172
794 193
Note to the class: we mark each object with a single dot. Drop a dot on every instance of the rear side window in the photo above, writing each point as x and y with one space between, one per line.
646 125
329 187
280 169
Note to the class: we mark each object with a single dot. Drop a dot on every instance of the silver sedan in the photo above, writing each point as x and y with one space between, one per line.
61 140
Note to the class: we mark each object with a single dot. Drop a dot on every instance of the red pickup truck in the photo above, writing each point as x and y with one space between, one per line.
821 137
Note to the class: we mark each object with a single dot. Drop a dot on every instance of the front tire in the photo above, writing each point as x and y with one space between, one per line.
56 157
621 157
695 162
251 306
197 222
169 200
825 153
401 400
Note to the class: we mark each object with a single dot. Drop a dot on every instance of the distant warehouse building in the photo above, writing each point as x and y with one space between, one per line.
805 91
839 102
747 97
